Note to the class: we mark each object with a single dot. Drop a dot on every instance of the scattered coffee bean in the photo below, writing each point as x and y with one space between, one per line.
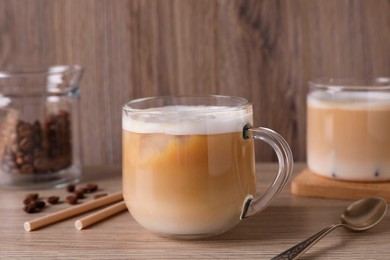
70 188
32 196
34 206
27 201
80 194
71 199
33 203
53 199
82 190
40 204
30 208
97 196
91 187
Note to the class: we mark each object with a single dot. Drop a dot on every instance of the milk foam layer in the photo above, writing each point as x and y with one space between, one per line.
349 100
187 120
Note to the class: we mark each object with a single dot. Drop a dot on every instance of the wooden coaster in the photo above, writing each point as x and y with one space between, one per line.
309 184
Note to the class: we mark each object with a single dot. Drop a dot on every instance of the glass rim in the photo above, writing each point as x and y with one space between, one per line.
40 70
351 84
244 103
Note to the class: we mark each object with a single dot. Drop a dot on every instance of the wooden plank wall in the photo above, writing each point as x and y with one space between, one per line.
265 51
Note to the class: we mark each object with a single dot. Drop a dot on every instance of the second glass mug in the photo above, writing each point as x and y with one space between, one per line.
189 166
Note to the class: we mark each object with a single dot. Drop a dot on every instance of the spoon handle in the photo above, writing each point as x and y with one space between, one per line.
297 250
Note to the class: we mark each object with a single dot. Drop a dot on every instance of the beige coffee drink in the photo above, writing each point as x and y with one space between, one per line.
348 134
189 167
188 178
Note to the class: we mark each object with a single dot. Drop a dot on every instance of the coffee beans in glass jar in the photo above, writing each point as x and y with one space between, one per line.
39 127
40 147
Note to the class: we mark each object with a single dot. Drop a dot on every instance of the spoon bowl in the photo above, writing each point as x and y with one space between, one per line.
359 216
364 214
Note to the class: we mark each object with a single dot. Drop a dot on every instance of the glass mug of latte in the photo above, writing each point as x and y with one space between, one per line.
348 129
189 167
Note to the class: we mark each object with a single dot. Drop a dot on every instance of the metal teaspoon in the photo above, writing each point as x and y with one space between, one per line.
359 216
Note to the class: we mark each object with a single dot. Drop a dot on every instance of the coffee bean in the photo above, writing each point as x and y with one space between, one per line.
34 206
82 189
27 201
24 130
30 208
91 187
40 204
32 196
26 144
70 187
72 199
53 199
80 193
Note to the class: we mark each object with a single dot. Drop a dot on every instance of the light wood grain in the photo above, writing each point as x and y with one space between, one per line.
287 221
264 51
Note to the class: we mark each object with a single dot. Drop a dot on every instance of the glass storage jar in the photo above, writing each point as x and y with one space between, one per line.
39 127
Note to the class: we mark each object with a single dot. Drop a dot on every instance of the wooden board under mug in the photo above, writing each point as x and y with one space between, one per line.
306 183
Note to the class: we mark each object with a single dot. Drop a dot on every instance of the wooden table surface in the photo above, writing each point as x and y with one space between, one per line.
287 221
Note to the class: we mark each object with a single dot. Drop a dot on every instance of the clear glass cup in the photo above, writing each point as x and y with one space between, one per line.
189 166
348 129
39 127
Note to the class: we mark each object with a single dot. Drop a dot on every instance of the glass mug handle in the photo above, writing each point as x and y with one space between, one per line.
254 205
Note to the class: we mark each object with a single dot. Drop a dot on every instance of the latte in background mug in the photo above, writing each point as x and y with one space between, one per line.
348 129
189 167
